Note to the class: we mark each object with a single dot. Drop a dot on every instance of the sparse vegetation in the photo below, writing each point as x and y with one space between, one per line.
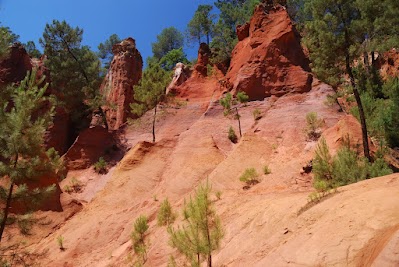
138 235
249 177
229 104
60 242
232 135
74 186
266 170
344 168
202 231
313 126
166 216
101 166
257 114
218 195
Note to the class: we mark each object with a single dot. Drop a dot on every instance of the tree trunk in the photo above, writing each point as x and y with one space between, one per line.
153 123
207 39
239 122
348 67
104 118
6 210
373 58
366 148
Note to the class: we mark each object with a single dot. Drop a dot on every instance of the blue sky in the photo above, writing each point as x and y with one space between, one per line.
140 19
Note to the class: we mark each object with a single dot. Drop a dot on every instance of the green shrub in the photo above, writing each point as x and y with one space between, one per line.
242 97
60 242
140 228
166 216
249 177
101 166
218 195
232 135
74 186
344 168
266 170
313 125
257 114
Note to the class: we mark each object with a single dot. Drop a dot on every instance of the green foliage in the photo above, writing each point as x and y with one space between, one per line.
232 135
257 114
382 114
25 223
313 125
166 216
266 170
7 39
105 50
249 176
31 49
75 69
226 103
344 168
151 89
101 166
322 163
168 40
201 24
232 13
218 195
60 242
169 61
22 129
74 186
138 235
242 97
202 231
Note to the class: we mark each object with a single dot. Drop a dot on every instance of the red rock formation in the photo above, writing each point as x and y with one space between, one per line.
270 61
13 68
204 53
388 63
91 144
52 202
125 72
242 31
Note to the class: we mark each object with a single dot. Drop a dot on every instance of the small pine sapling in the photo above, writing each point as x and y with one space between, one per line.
166 216
138 235
232 135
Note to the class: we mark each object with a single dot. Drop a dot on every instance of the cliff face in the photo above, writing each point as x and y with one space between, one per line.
125 72
268 59
13 68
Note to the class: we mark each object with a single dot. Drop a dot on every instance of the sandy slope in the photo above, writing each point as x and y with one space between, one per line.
355 227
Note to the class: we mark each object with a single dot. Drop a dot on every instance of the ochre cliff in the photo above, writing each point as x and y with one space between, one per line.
268 59
125 72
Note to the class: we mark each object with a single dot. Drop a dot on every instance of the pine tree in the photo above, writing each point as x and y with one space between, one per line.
333 38
150 91
31 49
202 232
232 13
75 69
169 39
7 39
229 104
201 24
138 237
166 216
105 50
24 117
